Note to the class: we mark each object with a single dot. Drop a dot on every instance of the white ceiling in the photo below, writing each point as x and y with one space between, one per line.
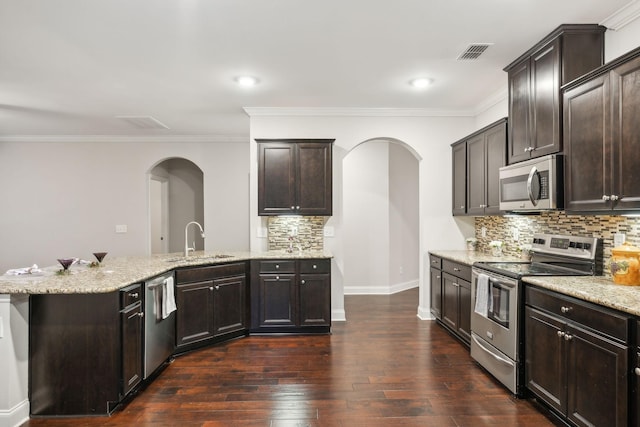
69 67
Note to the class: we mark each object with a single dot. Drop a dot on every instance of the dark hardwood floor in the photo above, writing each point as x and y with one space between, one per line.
384 367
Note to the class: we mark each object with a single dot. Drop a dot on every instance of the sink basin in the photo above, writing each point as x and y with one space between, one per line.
199 257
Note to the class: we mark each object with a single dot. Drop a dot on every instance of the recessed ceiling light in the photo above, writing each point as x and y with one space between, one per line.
246 81
421 83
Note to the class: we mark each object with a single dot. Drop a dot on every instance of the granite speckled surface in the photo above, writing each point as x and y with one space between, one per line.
596 289
118 272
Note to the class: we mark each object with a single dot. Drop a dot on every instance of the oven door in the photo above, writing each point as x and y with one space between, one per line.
498 323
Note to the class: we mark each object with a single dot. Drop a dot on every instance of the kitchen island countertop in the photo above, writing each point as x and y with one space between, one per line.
596 289
118 272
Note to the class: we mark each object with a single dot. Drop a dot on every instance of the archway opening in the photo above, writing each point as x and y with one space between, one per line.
381 218
176 197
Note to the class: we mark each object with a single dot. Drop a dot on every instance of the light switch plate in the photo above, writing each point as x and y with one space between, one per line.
619 239
121 228
329 231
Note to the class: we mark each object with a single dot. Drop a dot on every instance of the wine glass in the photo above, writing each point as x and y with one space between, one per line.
99 256
65 263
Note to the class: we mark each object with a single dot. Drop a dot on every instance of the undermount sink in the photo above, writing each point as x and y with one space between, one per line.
199 257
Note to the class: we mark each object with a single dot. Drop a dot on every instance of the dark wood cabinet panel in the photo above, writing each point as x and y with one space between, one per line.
456 299
459 154
482 153
291 296
230 312
295 177
212 302
436 292
131 323
194 320
534 81
585 357
601 138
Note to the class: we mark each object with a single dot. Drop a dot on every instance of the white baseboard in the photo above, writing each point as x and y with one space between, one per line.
15 416
425 314
338 315
380 290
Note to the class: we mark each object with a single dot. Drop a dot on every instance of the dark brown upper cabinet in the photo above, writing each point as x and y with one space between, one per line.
535 79
295 177
476 163
602 138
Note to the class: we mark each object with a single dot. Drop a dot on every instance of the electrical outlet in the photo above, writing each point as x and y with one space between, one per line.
329 231
121 228
401 270
1 328
516 234
483 231
619 239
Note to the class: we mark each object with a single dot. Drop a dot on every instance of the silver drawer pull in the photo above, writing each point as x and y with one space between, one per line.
456 269
302 282
637 371
134 295
561 334
277 266
566 309
315 266
141 314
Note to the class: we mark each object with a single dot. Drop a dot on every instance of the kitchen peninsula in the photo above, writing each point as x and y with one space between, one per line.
112 286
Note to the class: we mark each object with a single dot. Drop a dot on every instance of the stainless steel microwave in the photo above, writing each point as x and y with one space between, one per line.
533 185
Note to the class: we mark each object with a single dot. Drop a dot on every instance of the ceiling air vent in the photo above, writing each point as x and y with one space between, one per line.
143 122
473 51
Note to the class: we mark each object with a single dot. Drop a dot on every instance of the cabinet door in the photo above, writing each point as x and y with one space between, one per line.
194 317
545 363
276 178
459 155
495 148
315 300
476 170
519 112
450 301
131 323
587 146
545 100
625 94
464 304
436 293
277 300
596 369
229 305
314 180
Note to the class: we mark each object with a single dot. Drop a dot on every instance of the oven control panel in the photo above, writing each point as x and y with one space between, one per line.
575 246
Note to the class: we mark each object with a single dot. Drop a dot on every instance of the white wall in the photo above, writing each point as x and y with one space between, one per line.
617 43
366 196
429 137
63 199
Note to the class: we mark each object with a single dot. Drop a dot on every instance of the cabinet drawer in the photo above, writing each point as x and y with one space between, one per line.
593 316
130 295
200 274
278 266
310 266
460 270
435 261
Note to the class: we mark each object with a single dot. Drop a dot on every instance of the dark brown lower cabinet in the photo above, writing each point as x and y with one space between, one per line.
77 340
211 302
576 358
291 296
456 299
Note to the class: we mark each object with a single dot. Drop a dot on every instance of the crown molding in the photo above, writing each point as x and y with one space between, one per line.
623 16
353 112
494 99
126 138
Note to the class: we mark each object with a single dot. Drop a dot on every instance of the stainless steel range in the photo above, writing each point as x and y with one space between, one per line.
498 306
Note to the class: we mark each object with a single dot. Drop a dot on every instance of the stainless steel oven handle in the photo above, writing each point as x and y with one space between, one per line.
495 356
532 173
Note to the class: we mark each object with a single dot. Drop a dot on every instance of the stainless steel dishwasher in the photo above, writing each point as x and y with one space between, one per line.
159 326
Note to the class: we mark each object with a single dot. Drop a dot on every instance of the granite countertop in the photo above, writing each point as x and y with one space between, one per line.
596 289
118 272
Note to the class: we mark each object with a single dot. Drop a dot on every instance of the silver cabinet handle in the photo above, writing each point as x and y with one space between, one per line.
461 206
434 262
456 269
277 277
568 337
315 266
561 334
141 314
637 371
217 287
297 207
293 207
277 266
437 277
302 282
614 197
606 198
210 288
456 285
134 295
566 309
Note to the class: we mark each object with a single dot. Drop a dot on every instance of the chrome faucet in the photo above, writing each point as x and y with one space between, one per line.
186 244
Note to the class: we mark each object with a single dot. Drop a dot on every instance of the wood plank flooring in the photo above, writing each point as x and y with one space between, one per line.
384 367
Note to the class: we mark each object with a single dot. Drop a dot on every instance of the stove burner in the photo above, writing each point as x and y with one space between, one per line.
519 269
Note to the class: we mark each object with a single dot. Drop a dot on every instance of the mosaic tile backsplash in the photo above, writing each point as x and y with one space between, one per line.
557 222
296 233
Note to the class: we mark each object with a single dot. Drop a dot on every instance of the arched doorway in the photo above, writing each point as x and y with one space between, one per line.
381 218
176 197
